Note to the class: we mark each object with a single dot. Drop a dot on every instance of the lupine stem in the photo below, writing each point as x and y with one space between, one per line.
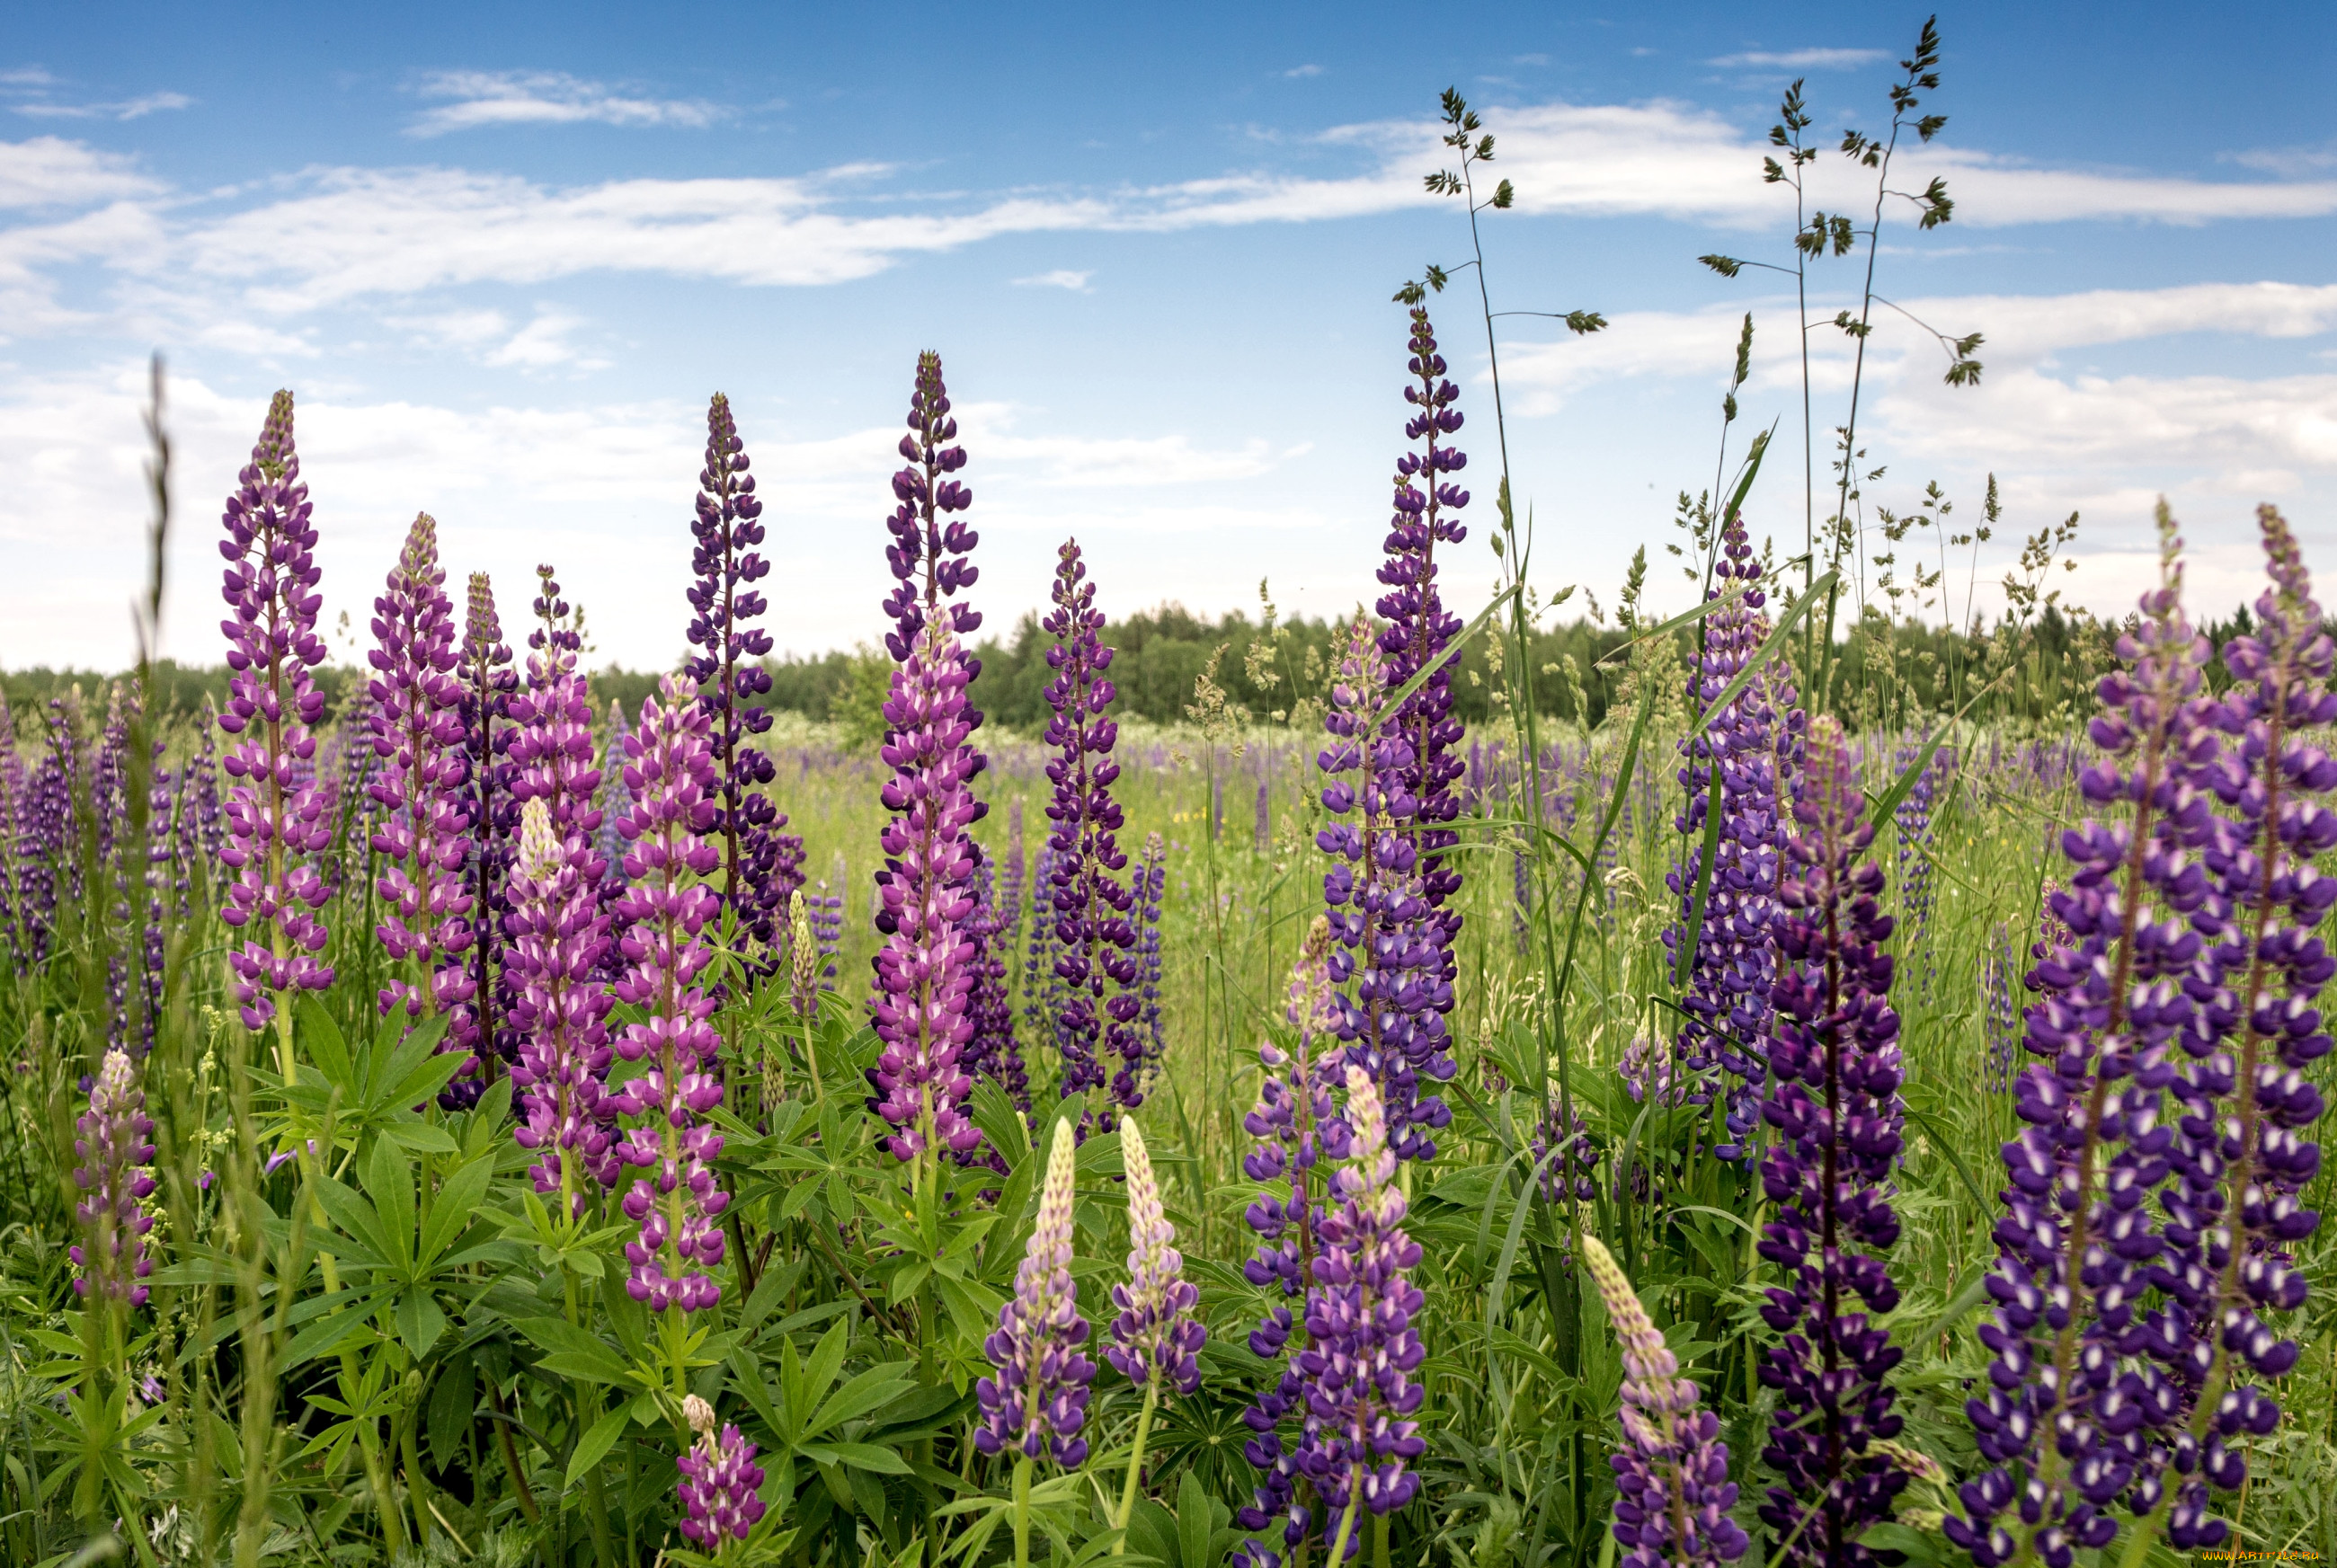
1347 1519
1135 1467
1022 1512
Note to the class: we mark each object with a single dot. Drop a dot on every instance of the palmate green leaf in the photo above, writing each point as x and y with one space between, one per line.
856 1455
420 1319
869 1390
329 1334
594 1446
454 1207
356 1220
806 1383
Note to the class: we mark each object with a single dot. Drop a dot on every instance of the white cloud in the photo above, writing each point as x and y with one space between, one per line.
486 98
1061 278
2287 161
1296 71
127 109
544 343
1806 59
49 171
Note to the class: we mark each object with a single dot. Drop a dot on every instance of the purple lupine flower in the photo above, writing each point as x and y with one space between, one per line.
1042 988
1387 930
272 705
1757 744
1037 1401
925 893
1574 1174
1833 1096
669 772
1151 882
2241 1157
13 802
616 794
2000 1018
1156 1332
559 1012
1672 1491
827 923
1419 795
1298 1132
759 870
720 1480
417 734
992 1051
481 1024
1647 1072
41 840
1013 877
1914 821
1261 827
2077 1245
925 970
1090 902
115 1146
1361 1347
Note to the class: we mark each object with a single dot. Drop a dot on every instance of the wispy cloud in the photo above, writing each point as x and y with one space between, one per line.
1300 71
1804 59
127 109
488 98
1061 278
2291 162
50 171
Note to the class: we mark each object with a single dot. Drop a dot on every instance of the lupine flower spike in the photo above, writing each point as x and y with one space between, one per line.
1362 1348
2240 1150
1672 1491
760 865
1387 933
1037 1402
1832 1097
666 908
719 1479
2077 1244
481 1025
274 813
116 1145
925 971
1755 744
559 1012
1089 901
1298 1132
1155 1340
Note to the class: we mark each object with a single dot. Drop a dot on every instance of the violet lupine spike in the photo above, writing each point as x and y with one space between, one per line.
12 806
417 722
719 1484
1150 884
2076 1246
925 538
1914 821
273 823
1298 1134
2000 1018
1156 1333
561 1012
2241 1155
992 1051
481 1025
1088 900
1037 1401
758 872
1757 744
670 773
1672 1491
616 795
115 1146
1361 1347
1042 988
925 970
827 923
1832 1097
1387 932
1420 799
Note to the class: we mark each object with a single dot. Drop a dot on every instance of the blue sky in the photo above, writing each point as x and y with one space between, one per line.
502 255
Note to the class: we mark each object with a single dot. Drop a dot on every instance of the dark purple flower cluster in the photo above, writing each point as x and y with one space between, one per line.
482 1024
1388 934
761 866
1150 883
1832 1097
994 1052
925 970
2073 1419
719 1481
1088 901
115 1142
1297 1132
1038 1400
417 722
1756 742
274 820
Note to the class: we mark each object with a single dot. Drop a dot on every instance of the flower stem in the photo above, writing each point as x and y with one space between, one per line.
1347 1520
1135 1464
1022 1514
